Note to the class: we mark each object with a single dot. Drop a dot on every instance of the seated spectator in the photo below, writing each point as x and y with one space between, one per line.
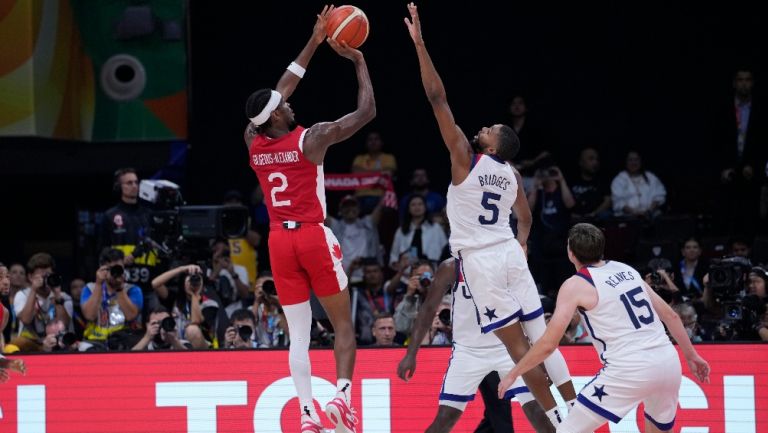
418 284
417 233
111 305
271 326
369 299
435 202
373 161
229 279
692 270
690 321
58 339
441 331
195 306
161 333
591 193
358 236
40 303
383 331
17 275
661 278
241 333
5 315
637 192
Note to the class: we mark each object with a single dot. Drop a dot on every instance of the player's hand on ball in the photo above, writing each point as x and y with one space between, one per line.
344 50
318 32
414 25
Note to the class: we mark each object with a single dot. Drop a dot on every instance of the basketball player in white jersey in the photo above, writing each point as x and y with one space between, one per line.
625 318
473 356
484 189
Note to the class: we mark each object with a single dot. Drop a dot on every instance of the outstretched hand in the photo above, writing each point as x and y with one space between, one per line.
700 368
318 32
506 382
344 50
414 25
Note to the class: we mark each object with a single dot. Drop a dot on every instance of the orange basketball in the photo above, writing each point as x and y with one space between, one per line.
349 24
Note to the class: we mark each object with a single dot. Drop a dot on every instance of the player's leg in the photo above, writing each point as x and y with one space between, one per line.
555 364
517 346
537 417
663 392
521 282
292 285
466 369
581 420
532 409
446 418
320 255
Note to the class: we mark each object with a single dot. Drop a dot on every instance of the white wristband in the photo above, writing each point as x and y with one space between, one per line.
297 69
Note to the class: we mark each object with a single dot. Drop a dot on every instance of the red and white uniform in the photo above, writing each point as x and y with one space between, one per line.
303 252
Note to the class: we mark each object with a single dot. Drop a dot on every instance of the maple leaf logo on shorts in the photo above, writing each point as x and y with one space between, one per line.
337 251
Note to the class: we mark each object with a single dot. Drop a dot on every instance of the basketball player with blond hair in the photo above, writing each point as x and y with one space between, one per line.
305 255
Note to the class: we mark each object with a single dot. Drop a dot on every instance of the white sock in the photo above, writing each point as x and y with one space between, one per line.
299 317
344 389
555 364
554 416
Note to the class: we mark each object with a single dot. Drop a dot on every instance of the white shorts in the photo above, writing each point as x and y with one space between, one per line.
615 391
501 284
468 367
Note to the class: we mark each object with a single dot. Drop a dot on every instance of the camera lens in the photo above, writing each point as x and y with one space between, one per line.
656 278
168 324
445 316
66 339
195 280
245 332
426 279
117 271
268 287
53 280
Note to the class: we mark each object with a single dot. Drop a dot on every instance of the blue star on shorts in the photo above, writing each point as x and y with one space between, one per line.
490 313
599 392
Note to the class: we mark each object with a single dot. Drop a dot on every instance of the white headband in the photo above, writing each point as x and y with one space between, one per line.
274 101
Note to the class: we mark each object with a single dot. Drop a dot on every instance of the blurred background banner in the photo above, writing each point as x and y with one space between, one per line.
93 70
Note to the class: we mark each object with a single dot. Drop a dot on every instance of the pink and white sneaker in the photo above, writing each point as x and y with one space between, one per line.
308 425
341 415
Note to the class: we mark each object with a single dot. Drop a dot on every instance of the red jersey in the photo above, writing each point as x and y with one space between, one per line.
294 186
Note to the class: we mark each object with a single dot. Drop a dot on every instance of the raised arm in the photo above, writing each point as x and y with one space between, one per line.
445 277
454 138
295 71
322 135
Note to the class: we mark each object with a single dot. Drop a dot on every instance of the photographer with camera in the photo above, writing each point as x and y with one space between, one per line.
418 284
661 279
231 280
241 333
40 303
271 326
58 339
161 333
110 304
441 331
197 308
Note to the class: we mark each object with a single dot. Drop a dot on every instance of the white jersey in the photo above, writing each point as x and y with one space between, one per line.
479 208
623 324
465 317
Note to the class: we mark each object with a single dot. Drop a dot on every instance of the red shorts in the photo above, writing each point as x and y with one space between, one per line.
304 258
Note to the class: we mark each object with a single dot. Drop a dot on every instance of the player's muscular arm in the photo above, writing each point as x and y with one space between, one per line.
289 80
454 138
322 135
522 211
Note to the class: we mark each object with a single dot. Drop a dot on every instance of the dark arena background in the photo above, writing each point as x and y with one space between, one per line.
74 107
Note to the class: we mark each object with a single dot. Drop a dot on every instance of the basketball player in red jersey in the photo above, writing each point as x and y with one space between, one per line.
288 160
